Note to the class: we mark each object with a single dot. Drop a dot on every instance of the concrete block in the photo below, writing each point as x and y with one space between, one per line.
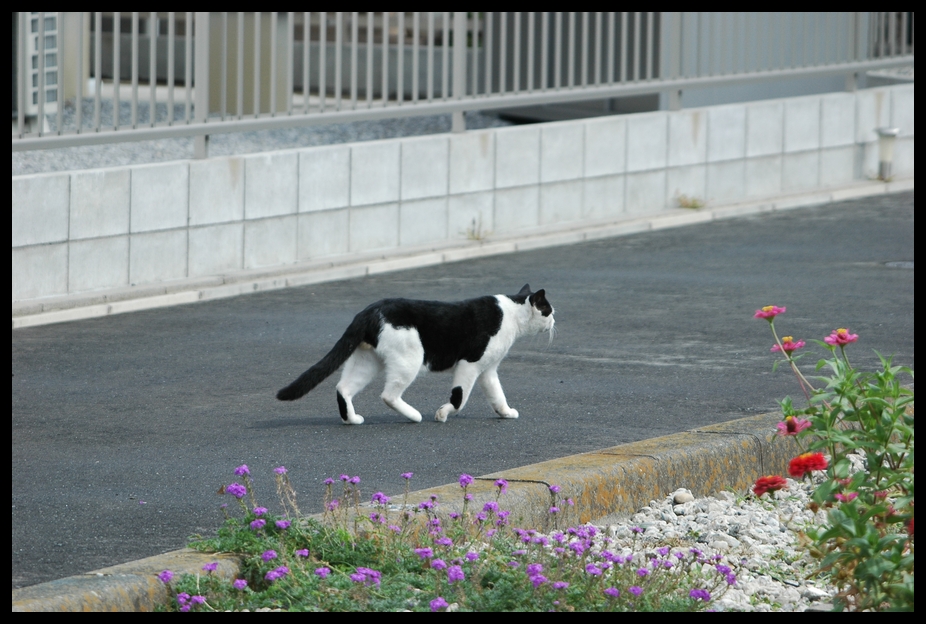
324 178
646 192
374 227
764 128
270 184
40 209
517 209
425 167
517 156
726 132
726 181
647 135
470 216
800 172
802 124
98 263
216 249
602 197
837 119
902 109
270 242
99 203
422 222
160 196
903 158
216 190
562 148
690 182
323 233
867 160
374 173
605 146
687 137
157 257
763 176
873 110
837 165
472 162
561 202
40 271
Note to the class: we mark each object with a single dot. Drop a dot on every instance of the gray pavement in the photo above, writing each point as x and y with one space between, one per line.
124 426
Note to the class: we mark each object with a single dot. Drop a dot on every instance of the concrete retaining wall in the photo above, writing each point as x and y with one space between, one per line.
91 231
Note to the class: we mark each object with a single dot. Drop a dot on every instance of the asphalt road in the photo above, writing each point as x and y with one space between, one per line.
124 427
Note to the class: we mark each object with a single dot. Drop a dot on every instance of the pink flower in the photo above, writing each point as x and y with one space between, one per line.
792 426
769 312
840 337
845 498
788 345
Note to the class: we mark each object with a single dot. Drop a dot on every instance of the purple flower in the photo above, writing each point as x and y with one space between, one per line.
663 551
534 568
268 555
210 567
554 510
354 480
425 505
380 499
302 553
537 580
554 489
329 481
454 574
593 569
185 608
471 556
612 592
465 480
424 553
259 511
636 590
491 506
236 489
444 541
258 524
240 584
502 485
438 603
280 470
242 470
438 564
513 564
699 594
636 530
282 524
395 528
333 505
183 598
322 572
642 572
165 576
278 573
345 478
407 476
367 576
560 585
197 599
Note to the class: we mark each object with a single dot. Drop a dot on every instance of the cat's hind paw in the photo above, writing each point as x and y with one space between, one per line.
356 419
512 413
443 412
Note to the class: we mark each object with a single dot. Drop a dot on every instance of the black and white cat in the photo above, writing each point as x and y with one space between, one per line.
404 337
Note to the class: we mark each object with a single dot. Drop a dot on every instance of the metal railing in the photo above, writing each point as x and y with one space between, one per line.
138 76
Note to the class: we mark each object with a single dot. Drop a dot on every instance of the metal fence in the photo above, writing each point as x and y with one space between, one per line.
138 76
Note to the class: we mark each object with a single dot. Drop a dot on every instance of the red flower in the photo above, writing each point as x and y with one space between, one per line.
792 426
769 312
788 345
805 463
771 483
840 337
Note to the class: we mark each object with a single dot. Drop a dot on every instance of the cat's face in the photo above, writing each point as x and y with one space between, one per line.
541 313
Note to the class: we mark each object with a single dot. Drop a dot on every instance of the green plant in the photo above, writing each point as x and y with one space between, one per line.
858 427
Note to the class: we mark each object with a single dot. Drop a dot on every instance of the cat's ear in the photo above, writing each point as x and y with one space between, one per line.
525 291
538 298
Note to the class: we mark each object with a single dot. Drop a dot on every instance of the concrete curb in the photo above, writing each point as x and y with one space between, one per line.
616 480
131 299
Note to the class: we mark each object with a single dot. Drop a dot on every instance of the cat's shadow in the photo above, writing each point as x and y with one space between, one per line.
281 423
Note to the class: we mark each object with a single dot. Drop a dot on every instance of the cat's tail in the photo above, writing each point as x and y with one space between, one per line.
364 328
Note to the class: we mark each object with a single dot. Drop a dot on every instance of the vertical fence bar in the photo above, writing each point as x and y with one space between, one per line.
400 58
585 43
322 60
97 68
625 48
273 63
134 69
516 54
22 51
201 141
544 50
59 86
416 34
40 53
531 37
558 51
188 65
612 40
353 59
78 110
338 59
430 56
306 47
290 62
385 72
256 97
503 53
488 31
171 32
445 58
472 49
458 123
153 29
571 51
598 44
223 94
117 65
650 27
369 74
239 71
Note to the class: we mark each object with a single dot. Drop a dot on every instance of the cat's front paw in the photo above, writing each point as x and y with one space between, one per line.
512 413
443 412
356 419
